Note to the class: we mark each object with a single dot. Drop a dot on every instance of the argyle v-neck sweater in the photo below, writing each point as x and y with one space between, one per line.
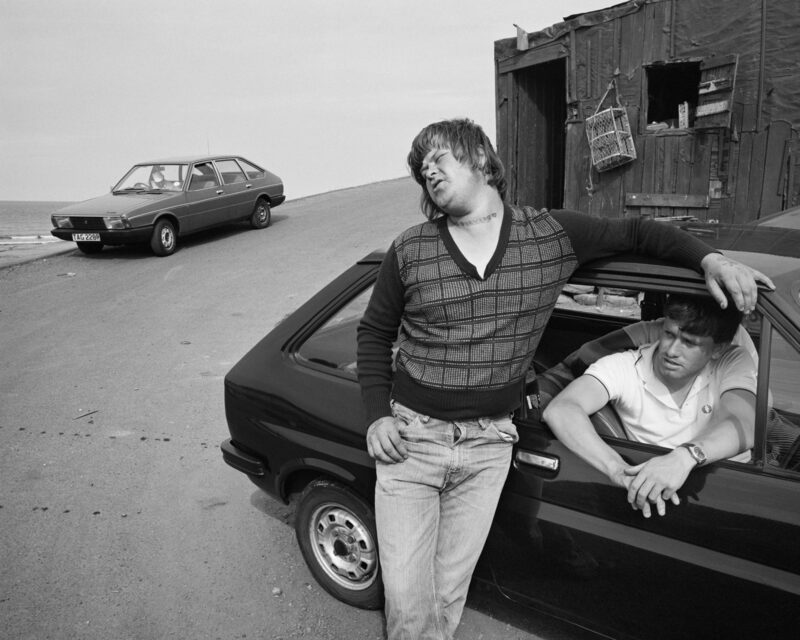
465 342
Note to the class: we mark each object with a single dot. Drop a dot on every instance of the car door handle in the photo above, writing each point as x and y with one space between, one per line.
248 185
220 192
549 463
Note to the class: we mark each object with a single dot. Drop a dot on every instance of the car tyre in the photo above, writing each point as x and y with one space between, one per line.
163 241
336 532
90 247
262 215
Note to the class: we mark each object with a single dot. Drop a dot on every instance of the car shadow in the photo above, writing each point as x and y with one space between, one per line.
142 250
274 508
114 252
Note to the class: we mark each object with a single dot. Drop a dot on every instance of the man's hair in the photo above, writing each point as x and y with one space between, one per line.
702 316
468 144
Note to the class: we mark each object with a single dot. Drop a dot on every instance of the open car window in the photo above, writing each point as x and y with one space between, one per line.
585 328
781 424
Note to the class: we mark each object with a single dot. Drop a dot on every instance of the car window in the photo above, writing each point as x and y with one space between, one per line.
203 177
611 327
592 300
334 345
252 170
230 172
164 177
783 419
172 174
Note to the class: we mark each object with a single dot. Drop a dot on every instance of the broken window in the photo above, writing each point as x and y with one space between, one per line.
668 87
690 94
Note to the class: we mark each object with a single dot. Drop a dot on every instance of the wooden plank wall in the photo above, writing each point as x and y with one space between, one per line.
772 198
764 181
749 166
663 163
758 171
506 125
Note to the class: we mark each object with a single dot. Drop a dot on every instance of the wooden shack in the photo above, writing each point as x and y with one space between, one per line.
698 99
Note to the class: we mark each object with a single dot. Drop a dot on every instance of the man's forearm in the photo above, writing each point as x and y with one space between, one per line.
732 433
574 429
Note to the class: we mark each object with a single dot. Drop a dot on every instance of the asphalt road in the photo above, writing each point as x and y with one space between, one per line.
118 517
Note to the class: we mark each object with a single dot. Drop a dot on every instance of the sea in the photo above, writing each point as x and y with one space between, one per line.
27 221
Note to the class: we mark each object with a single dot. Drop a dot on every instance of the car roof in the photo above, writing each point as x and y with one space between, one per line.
190 159
772 250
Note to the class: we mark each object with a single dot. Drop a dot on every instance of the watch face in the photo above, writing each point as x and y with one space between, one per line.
697 453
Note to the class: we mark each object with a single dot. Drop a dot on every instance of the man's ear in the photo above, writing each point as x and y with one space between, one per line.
482 159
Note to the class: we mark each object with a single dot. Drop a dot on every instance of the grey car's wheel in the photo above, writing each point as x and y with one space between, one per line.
163 241
261 215
336 532
90 247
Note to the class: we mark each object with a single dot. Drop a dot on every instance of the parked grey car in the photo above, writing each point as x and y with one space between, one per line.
157 202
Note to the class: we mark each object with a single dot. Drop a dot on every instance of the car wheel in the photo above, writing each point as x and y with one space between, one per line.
261 215
336 532
163 240
90 247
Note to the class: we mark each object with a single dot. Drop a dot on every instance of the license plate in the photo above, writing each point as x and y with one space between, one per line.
86 237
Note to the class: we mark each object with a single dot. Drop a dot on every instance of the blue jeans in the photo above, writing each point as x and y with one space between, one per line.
433 512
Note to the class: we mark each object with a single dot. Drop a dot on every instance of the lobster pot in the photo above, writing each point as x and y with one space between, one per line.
610 139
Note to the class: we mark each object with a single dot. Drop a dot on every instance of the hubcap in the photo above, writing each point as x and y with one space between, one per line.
343 547
167 238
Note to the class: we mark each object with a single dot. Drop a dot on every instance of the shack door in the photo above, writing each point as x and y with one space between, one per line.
541 136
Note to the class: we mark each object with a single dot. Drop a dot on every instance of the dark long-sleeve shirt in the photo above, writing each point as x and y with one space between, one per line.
465 342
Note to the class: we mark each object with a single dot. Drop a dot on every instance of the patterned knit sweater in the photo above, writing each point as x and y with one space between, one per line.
464 342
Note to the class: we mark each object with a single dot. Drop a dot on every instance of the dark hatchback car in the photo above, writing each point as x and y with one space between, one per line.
157 202
723 564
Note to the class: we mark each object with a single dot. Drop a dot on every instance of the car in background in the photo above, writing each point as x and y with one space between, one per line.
158 202
723 564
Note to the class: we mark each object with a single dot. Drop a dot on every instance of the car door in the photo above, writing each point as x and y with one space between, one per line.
725 563
236 198
205 199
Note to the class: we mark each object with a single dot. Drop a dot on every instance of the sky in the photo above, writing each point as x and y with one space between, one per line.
326 94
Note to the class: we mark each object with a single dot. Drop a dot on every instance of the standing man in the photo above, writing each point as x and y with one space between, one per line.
470 292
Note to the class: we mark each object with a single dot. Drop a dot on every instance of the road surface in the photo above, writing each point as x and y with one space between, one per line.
118 517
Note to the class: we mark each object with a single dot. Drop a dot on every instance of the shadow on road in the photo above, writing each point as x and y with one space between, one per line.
139 251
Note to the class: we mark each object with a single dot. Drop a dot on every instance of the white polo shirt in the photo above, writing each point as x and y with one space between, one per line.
646 406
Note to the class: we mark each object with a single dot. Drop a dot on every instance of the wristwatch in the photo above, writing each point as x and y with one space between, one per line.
696 452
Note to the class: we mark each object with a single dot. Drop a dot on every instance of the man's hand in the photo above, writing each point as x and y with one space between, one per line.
384 442
657 480
739 280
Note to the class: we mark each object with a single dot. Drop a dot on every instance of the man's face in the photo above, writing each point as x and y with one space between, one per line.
451 184
680 355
